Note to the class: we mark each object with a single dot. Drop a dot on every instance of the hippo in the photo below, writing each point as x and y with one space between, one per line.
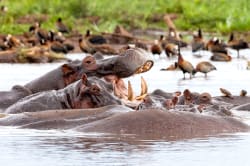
132 61
84 93
124 121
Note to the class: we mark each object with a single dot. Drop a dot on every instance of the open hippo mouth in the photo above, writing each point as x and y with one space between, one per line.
132 61
126 93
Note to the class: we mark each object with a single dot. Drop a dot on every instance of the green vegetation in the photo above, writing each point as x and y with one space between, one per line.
104 15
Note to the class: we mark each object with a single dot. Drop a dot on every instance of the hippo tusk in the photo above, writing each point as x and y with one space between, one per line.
130 92
2 115
144 86
144 90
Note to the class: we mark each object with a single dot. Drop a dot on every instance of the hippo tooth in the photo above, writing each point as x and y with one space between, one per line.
130 92
144 86
2 115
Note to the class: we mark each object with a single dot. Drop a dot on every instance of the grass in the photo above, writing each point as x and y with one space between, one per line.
211 15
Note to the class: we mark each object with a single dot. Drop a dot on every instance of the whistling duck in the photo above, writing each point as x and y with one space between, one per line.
120 30
198 42
94 39
61 27
185 66
175 38
222 57
156 47
13 41
171 49
243 93
171 67
226 93
42 35
205 67
215 45
237 44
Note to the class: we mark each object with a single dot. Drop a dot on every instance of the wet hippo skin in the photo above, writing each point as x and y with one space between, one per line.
116 119
130 62
83 93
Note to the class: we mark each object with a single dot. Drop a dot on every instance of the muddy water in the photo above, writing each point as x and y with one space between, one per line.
52 147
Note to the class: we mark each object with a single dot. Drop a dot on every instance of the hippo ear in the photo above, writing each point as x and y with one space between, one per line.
67 70
89 63
84 79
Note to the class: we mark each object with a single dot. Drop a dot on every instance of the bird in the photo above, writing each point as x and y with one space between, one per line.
204 67
198 42
94 39
237 44
156 47
226 93
171 49
185 66
216 45
61 27
243 93
222 57
171 67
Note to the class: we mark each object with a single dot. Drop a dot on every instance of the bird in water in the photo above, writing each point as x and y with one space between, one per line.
185 65
237 44
204 67
156 47
198 42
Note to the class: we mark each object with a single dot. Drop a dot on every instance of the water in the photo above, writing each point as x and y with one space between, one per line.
26 147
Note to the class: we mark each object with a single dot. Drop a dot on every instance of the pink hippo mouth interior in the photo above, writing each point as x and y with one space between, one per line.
126 93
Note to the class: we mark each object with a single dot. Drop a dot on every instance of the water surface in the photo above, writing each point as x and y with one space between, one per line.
26 147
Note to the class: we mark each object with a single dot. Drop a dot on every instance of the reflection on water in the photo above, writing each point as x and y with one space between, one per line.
38 147
34 147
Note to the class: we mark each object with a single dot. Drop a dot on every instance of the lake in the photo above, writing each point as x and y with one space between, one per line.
28 147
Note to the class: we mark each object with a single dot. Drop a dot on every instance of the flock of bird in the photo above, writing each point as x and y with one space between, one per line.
170 43
171 46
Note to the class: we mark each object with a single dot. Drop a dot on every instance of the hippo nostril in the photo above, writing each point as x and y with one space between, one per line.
88 62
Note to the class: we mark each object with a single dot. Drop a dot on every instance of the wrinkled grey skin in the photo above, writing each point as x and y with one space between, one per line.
115 119
10 97
122 66
63 99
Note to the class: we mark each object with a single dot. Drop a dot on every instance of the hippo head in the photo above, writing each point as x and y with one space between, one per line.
91 95
75 70
130 62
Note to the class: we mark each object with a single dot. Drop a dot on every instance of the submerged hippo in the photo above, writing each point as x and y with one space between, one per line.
121 120
130 62
84 93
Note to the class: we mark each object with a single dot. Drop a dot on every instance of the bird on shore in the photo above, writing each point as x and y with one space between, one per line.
61 27
237 44
198 42
205 67
184 65
94 39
